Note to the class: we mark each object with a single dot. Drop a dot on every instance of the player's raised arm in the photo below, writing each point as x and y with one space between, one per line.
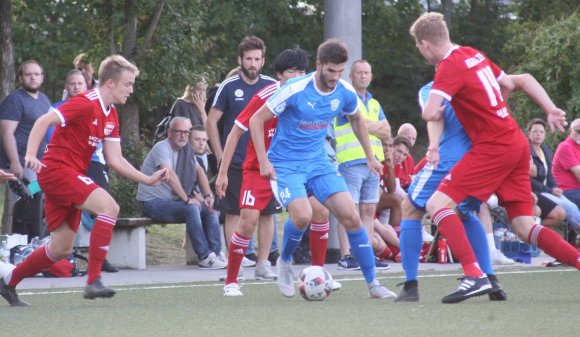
117 162
257 132
36 134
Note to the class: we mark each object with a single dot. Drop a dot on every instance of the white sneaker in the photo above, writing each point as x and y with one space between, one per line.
247 262
264 271
285 277
222 257
426 236
232 290
498 258
336 285
212 262
376 290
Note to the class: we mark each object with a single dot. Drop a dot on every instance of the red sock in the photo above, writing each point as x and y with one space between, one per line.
236 251
318 242
39 260
101 236
386 254
550 242
395 251
452 229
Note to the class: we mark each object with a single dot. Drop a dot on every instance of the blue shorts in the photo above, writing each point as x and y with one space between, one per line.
426 182
363 184
318 178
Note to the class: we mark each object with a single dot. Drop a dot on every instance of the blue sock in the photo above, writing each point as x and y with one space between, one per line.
363 252
290 241
411 242
478 240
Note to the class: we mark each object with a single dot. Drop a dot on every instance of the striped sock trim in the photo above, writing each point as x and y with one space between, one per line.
107 219
320 226
49 254
240 240
442 214
534 234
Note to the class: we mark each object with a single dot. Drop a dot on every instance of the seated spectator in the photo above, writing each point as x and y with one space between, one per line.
566 164
406 170
543 183
173 201
198 141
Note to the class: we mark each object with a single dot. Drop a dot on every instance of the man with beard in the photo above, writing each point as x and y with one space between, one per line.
297 163
231 98
18 112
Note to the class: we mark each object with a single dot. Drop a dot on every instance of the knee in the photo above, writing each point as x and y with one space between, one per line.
301 220
60 252
351 222
110 208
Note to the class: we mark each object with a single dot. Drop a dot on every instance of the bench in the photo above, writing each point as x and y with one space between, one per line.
128 246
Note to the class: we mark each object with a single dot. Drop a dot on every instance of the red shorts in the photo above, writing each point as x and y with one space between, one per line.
484 171
63 190
256 193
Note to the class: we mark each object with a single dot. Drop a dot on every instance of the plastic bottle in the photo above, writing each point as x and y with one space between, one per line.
4 252
442 251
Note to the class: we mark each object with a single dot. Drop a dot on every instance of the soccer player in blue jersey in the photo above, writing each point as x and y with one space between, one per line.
453 145
297 162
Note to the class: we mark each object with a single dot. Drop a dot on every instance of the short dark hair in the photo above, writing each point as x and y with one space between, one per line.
402 140
535 121
199 128
294 58
332 51
27 62
251 43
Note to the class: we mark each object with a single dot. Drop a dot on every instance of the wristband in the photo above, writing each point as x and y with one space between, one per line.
187 201
208 196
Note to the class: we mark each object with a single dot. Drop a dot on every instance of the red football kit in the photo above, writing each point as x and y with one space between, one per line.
499 160
85 122
256 192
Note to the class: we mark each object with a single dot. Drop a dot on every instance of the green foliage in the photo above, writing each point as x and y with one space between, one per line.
550 52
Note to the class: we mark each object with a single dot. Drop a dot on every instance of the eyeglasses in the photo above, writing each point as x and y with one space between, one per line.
182 132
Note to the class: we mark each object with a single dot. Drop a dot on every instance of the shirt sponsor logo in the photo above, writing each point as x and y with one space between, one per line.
312 125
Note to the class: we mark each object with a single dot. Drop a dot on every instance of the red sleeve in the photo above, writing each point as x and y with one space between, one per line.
243 119
75 108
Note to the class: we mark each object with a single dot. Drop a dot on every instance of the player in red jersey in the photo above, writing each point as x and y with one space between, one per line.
83 122
256 191
499 160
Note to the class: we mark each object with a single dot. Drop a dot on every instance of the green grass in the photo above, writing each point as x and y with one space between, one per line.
542 302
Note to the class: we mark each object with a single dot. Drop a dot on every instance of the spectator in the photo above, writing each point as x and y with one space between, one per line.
566 165
406 170
192 104
231 98
543 182
198 142
18 112
362 183
82 63
174 202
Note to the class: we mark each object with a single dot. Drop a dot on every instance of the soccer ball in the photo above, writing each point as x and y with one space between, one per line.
314 283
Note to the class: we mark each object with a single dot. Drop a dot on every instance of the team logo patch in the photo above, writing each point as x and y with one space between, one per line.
280 107
239 93
109 128
334 104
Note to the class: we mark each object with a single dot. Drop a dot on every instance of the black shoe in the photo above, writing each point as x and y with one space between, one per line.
410 292
469 287
10 295
19 188
497 293
302 257
252 257
109 268
97 289
272 257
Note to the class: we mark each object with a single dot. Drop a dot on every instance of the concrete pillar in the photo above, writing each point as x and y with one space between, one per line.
343 20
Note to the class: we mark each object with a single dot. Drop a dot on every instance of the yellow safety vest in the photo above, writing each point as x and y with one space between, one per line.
348 147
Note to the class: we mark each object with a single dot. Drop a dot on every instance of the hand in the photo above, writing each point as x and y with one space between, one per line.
557 120
7 176
557 192
432 156
158 177
194 201
221 184
375 166
267 170
31 162
209 200
389 160
199 99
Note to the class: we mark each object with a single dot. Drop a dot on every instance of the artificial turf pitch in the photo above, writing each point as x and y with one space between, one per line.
541 302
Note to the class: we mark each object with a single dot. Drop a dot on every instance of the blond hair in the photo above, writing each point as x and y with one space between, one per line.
113 66
430 27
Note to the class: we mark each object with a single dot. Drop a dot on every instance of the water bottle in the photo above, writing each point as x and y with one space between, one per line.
441 251
4 252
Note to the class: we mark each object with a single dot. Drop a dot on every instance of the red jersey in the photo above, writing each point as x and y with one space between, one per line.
469 80
243 122
85 122
404 171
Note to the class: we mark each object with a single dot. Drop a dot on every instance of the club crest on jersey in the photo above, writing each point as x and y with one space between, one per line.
109 128
239 93
334 104
280 107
